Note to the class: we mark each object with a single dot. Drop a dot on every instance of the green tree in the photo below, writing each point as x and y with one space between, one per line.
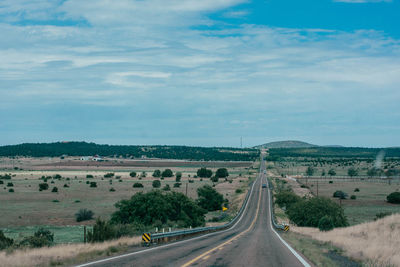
5 242
204 173
157 173
43 186
132 174
143 175
84 215
310 171
332 172
286 199
209 198
178 177
156 184
167 173
221 173
326 223
309 212
394 198
352 172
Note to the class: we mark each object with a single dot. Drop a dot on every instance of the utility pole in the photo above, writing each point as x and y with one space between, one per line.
317 188
241 142
186 188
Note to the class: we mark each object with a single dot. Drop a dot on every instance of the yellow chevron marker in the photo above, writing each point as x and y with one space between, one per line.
286 228
146 237
224 208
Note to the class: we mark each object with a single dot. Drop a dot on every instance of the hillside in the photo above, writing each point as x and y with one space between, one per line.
286 144
128 151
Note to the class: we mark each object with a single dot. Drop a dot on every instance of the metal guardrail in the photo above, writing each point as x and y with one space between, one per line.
182 233
283 227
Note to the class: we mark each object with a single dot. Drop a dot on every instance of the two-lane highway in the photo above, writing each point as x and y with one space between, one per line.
250 242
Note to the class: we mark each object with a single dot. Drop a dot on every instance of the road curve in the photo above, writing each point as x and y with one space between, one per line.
250 242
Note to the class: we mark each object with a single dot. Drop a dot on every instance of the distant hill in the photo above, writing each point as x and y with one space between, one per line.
286 144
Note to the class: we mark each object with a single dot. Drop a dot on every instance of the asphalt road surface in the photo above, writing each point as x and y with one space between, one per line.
250 242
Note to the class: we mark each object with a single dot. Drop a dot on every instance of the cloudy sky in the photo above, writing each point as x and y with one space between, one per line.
205 73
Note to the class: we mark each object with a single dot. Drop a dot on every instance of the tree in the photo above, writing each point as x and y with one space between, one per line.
5 242
310 171
178 177
43 186
214 179
309 212
156 184
143 175
84 215
157 173
132 174
209 198
326 223
167 173
137 185
323 173
340 194
286 199
156 206
222 173
55 189
394 198
204 173
332 172
352 172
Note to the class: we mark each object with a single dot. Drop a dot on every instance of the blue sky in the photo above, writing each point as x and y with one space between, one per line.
200 72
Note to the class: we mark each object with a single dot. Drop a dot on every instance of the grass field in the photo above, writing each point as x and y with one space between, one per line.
26 209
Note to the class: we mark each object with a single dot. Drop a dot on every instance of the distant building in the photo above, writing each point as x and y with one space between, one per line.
85 158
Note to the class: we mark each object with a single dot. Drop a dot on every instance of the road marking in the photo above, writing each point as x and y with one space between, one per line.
294 252
219 247
171 244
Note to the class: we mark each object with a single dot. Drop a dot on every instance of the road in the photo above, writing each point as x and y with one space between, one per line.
250 242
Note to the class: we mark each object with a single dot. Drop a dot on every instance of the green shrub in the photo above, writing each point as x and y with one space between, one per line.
10 184
11 190
5 176
84 215
112 189
394 198
157 208
89 176
166 187
157 173
1 182
137 185
57 176
109 175
331 182
93 184
156 184
55 200
204 173
221 173
381 215
308 212
191 181
353 197
238 191
43 186
326 223
178 177
41 238
5 242
66 186
102 231
209 198
132 174
357 190
167 173
87 182
177 185
285 199
54 190
340 194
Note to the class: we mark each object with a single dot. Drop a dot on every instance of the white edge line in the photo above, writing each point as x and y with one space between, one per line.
294 252
172 244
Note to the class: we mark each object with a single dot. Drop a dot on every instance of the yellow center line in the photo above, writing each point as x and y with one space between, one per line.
206 255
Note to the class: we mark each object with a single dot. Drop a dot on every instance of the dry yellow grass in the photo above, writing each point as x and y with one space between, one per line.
377 242
45 256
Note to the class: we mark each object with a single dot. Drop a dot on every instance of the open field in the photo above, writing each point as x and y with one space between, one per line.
28 208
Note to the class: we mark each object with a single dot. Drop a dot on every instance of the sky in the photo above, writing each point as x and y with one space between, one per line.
200 73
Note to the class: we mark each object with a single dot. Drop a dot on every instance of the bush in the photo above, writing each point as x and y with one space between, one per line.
93 184
353 197
157 208
5 176
137 185
166 188
238 191
43 186
66 185
325 223
84 215
209 198
5 242
352 172
309 212
178 177
54 190
204 173
11 190
177 185
109 175
156 184
57 176
285 199
102 231
41 238
357 190
167 173
394 198
132 174
340 194
112 189
191 181
143 174
381 215
331 182
1 182
221 173
157 173
89 176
